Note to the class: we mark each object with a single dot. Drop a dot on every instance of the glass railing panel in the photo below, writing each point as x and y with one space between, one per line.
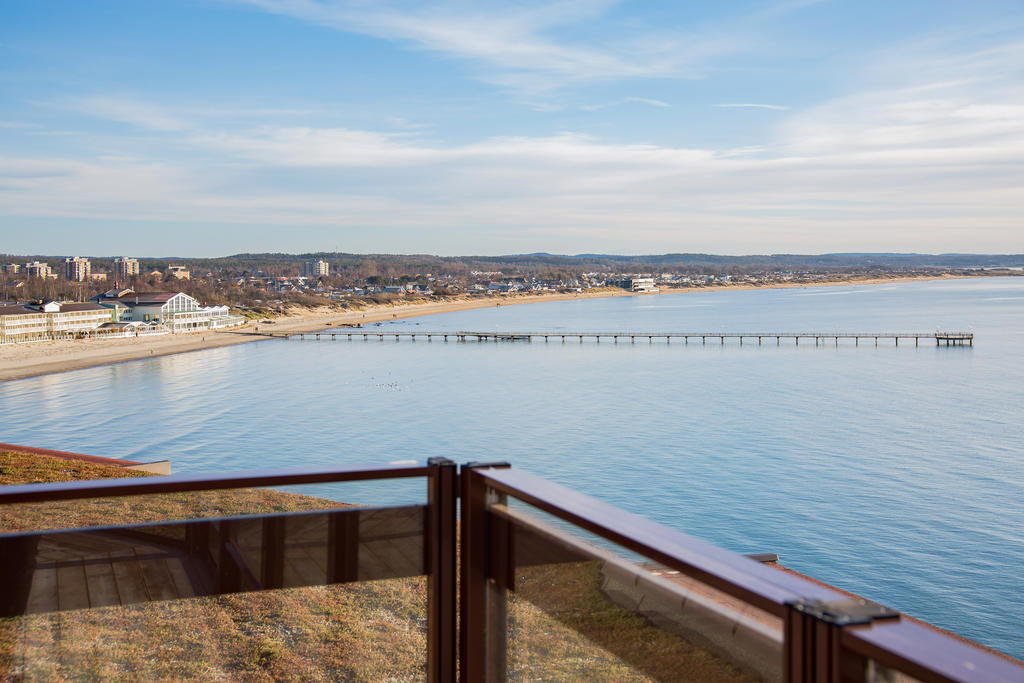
183 505
366 631
578 606
73 569
208 586
875 672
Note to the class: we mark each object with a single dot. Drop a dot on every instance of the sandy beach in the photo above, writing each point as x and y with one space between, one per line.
40 358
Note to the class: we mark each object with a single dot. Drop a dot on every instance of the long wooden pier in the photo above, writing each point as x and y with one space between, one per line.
940 338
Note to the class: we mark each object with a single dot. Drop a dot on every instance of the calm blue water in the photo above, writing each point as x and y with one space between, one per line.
896 473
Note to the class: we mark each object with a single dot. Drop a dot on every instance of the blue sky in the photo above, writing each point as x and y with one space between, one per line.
210 127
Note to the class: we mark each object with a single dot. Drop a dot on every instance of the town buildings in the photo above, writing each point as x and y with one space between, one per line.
115 313
76 269
125 269
176 311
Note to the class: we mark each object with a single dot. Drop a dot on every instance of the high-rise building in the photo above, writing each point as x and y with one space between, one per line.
76 269
125 269
316 268
10 269
36 269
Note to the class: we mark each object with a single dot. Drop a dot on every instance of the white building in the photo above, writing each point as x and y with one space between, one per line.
47 320
637 284
175 310
316 268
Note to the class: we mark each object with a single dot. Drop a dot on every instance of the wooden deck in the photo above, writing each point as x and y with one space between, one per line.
66 570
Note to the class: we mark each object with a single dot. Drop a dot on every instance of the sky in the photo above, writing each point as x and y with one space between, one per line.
214 127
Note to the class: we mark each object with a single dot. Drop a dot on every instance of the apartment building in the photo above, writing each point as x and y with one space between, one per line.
124 269
316 268
77 269
37 269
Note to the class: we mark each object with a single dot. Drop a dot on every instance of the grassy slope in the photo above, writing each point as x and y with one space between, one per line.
363 632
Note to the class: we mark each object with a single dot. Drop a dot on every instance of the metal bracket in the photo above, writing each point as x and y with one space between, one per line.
481 465
440 460
843 612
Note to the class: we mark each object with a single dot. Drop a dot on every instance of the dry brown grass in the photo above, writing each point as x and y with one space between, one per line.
561 626
369 631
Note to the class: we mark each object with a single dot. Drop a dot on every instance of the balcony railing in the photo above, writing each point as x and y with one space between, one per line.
551 584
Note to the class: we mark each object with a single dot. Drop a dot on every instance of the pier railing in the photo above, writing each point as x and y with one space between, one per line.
940 338
554 584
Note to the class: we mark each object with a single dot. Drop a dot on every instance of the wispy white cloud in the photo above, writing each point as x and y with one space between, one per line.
625 100
752 105
514 44
127 110
647 100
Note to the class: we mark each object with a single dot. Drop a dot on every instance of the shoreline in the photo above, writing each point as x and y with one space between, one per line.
20 361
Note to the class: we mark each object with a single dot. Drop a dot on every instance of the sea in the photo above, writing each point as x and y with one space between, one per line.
895 472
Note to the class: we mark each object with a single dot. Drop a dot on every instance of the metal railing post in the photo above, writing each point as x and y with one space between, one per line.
441 571
812 648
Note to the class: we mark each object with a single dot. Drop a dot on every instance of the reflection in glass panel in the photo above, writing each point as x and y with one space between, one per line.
159 507
63 570
576 610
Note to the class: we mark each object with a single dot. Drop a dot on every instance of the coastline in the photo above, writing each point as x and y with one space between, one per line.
19 361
